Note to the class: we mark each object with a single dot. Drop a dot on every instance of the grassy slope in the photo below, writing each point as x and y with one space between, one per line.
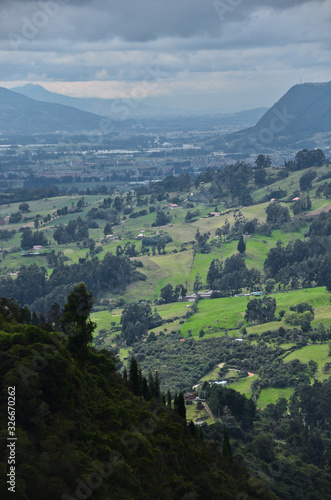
318 353
271 395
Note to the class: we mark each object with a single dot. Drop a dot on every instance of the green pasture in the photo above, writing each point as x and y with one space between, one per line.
125 352
243 385
49 205
272 394
167 311
12 262
316 352
161 270
316 297
215 315
212 375
289 184
103 319
193 413
255 212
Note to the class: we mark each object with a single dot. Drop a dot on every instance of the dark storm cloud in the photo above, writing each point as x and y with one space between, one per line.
131 20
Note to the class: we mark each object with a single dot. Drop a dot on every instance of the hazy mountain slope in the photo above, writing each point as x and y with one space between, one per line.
302 113
22 115
113 108
146 109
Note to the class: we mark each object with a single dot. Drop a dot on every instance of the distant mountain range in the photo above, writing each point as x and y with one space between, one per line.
117 109
143 109
301 118
22 115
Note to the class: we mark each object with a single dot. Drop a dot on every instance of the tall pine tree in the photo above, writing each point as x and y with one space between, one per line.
241 245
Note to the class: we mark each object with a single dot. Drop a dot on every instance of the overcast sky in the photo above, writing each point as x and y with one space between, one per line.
220 55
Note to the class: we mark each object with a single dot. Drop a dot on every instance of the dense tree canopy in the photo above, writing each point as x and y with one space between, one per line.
136 320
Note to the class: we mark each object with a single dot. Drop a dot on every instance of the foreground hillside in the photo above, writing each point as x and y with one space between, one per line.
80 430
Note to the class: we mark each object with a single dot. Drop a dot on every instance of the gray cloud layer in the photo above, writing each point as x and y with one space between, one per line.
228 41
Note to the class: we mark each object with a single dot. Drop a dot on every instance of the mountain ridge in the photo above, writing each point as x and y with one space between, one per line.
139 109
22 115
302 114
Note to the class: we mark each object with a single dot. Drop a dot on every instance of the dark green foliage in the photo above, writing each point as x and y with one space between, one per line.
169 398
321 226
10 311
192 429
277 214
31 287
170 294
226 448
306 180
305 159
191 216
231 277
260 177
5 234
261 310
15 218
76 322
262 161
263 446
76 230
161 218
135 382
55 315
233 180
241 245
136 320
24 207
30 238
107 229
197 283
77 428
171 183
179 406
302 205
301 261
201 242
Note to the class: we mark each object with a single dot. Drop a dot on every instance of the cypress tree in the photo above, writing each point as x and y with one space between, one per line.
34 319
146 390
169 398
226 444
151 383
181 410
241 245
76 322
134 377
176 402
156 391
192 429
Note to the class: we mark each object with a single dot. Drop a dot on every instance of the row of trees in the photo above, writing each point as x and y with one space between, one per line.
30 238
231 276
75 230
34 288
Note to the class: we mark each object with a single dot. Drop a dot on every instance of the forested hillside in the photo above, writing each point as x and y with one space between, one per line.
80 430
